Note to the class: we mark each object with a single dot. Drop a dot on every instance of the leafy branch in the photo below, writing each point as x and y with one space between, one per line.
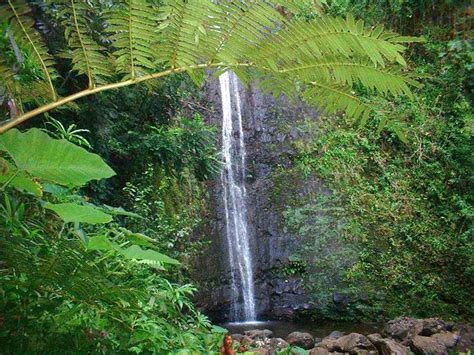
150 41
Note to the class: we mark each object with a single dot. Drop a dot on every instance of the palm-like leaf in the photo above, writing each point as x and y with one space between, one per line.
327 57
132 25
22 28
87 56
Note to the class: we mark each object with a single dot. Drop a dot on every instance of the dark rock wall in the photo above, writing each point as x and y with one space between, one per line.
270 126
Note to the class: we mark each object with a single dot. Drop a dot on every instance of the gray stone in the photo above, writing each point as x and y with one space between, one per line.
358 351
447 338
387 346
403 328
353 341
432 326
374 338
427 346
318 351
259 333
336 334
301 339
328 343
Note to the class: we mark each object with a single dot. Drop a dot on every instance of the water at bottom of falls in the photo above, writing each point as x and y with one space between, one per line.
318 329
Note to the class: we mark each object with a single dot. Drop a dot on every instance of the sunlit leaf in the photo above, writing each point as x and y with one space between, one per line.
72 212
53 160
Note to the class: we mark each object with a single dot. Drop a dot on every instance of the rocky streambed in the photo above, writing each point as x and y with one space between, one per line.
399 336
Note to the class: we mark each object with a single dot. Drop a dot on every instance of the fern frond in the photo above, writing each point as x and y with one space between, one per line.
306 40
132 25
6 73
333 99
184 32
152 39
24 32
240 26
87 55
349 72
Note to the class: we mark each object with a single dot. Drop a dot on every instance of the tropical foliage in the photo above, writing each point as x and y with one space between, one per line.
402 198
71 279
393 236
325 57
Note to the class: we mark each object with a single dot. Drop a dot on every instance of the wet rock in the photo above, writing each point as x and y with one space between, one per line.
259 333
403 328
336 334
432 326
301 339
374 338
427 345
358 351
318 351
387 346
246 340
329 344
350 342
447 338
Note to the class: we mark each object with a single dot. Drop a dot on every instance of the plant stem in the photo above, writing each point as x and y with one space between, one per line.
45 108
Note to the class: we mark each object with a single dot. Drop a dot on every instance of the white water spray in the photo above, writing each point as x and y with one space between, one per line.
234 193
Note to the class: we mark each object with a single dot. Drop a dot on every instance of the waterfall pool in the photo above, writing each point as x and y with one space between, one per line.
318 329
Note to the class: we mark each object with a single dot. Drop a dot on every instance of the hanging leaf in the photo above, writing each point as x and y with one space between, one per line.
72 212
100 242
19 180
135 252
53 160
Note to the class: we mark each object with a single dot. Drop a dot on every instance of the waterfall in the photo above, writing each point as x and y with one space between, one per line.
234 195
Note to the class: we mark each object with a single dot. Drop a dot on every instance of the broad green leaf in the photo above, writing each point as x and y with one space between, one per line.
21 181
53 160
100 242
119 211
56 190
72 212
135 252
138 238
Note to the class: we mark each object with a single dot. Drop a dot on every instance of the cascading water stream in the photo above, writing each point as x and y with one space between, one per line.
234 194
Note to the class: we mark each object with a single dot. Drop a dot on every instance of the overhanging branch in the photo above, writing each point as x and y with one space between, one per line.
48 107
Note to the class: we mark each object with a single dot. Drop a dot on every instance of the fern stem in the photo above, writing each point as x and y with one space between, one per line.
130 39
86 56
45 108
43 64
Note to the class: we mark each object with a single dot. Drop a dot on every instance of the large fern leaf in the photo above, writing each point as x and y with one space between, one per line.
326 56
132 25
23 31
88 57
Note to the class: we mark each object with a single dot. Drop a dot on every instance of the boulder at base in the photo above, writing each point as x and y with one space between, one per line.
403 328
387 346
301 339
259 333
353 342
427 345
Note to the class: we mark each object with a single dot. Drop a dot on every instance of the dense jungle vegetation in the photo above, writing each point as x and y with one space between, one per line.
104 170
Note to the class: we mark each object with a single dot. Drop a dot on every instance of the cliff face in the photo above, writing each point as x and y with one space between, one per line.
269 128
